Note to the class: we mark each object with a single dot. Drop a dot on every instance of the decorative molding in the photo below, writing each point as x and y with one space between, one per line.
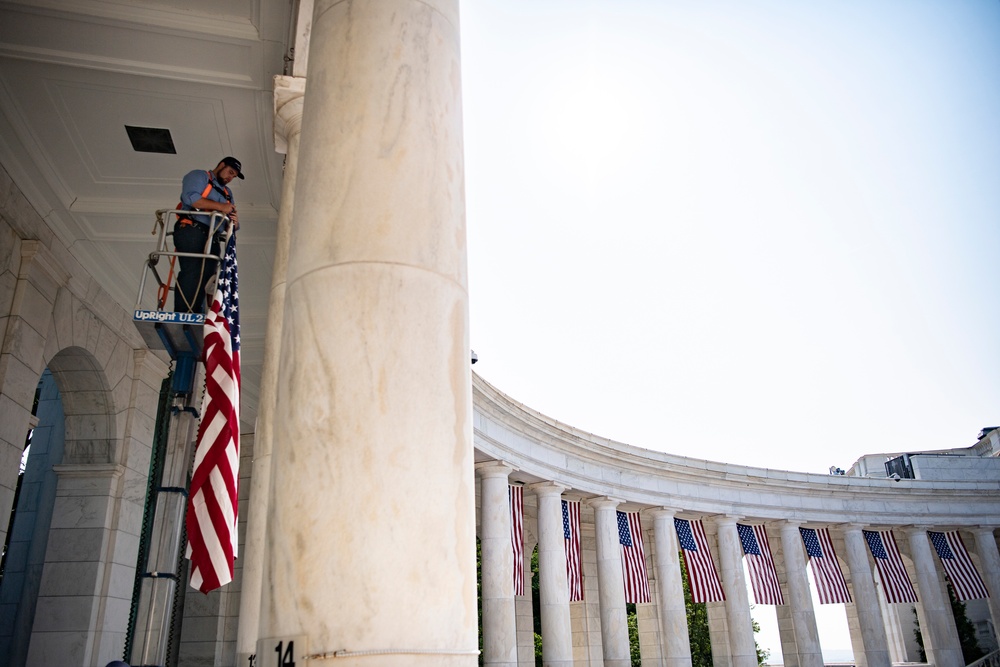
289 93
186 22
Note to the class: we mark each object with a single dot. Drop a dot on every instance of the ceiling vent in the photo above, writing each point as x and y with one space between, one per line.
151 140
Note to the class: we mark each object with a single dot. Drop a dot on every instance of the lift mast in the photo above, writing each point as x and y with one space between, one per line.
161 589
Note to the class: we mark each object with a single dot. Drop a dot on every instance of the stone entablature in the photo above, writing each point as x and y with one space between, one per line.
541 448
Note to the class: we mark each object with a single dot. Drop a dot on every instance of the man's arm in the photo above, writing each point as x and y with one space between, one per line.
193 185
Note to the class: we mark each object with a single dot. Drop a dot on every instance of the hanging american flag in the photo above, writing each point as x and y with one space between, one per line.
571 535
516 498
633 559
212 508
702 576
961 571
891 571
830 583
763 576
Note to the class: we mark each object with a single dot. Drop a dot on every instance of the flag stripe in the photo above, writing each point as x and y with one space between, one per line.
961 571
760 563
212 506
571 535
830 583
633 558
702 576
516 501
896 583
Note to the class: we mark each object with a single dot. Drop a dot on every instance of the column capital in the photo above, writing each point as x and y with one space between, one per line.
727 519
661 512
790 523
547 488
914 528
852 527
604 502
289 92
983 529
494 469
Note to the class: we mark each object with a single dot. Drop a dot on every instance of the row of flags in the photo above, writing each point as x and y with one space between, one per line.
704 580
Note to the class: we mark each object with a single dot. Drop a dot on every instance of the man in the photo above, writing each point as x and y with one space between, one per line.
207 191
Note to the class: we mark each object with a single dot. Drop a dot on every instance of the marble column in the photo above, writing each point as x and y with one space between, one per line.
371 524
553 593
676 643
989 570
741 642
799 598
872 627
941 641
611 584
288 96
497 562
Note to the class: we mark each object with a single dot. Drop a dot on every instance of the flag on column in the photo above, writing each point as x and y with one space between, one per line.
702 576
892 572
763 576
633 559
212 505
516 498
571 538
961 570
830 583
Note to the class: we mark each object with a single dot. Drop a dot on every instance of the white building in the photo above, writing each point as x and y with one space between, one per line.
371 456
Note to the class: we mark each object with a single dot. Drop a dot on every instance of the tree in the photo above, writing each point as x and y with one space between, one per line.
479 594
697 620
966 631
762 653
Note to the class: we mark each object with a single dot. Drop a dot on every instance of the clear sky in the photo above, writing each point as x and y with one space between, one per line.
757 232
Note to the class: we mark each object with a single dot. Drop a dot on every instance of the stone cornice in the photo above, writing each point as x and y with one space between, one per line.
549 450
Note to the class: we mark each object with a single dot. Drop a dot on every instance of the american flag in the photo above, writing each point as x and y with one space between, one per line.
571 535
892 572
830 582
702 576
516 497
633 559
211 512
961 571
763 576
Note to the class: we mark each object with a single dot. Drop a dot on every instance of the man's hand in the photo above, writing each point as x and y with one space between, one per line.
234 218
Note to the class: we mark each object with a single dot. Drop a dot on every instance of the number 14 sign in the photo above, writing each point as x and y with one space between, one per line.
280 652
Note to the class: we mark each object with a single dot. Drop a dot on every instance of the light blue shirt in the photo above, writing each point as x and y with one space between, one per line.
194 184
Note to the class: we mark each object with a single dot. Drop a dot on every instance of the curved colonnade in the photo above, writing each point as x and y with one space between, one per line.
519 446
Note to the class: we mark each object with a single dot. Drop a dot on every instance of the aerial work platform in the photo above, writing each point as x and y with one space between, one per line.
179 333
159 590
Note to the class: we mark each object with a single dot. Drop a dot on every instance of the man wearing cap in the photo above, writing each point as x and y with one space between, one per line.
207 191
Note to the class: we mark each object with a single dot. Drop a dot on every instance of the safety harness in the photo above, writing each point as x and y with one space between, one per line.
184 221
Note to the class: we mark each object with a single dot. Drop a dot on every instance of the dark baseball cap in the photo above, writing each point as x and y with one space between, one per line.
234 163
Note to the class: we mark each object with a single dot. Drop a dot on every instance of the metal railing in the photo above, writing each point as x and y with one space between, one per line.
218 223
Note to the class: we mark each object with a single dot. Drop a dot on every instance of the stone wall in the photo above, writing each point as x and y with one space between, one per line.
54 315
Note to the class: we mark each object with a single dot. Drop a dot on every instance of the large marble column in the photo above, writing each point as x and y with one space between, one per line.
611 584
741 642
497 562
370 547
288 97
941 641
872 627
676 643
557 632
799 598
989 570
